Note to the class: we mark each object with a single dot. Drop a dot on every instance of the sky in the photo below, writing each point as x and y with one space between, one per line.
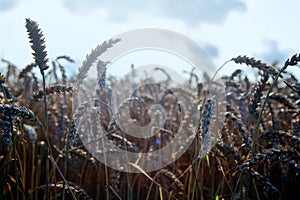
268 30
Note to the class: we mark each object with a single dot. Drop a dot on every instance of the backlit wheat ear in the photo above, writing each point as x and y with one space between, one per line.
280 155
206 125
52 89
11 68
235 74
65 57
72 189
264 182
256 94
63 73
91 58
61 67
31 132
164 72
294 60
283 100
7 94
255 64
26 70
281 135
13 110
37 41
101 74
241 127
175 180
122 142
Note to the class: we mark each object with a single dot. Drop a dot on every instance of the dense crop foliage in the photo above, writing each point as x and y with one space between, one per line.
41 155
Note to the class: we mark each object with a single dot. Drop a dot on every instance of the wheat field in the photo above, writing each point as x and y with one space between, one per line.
43 157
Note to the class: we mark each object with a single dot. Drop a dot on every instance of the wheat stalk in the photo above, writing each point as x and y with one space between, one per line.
37 41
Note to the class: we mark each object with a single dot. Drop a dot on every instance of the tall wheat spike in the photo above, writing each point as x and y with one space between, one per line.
37 41
91 58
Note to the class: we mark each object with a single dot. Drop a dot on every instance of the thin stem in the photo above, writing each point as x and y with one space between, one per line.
32 169
62 176
15 157
65 166
219 70
66 157
46 134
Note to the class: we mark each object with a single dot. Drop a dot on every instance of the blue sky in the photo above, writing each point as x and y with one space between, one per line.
268 30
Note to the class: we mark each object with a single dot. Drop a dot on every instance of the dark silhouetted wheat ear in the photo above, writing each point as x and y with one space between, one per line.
16 111
6 92
52 89
255 64
26 70
37 41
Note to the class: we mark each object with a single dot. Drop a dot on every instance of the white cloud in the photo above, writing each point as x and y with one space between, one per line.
191 12
274 53
194 11
211 50
5 5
